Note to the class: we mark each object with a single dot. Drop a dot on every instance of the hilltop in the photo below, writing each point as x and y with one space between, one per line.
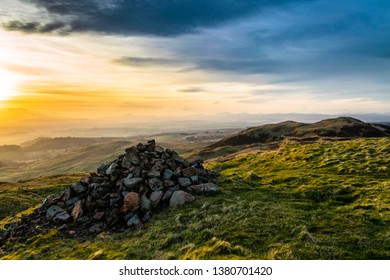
326 200
329 129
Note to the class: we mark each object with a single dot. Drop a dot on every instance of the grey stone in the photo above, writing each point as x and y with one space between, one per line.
78 188
184 182
156 184
167 195
134 221
145 203
126 162
62 217
52 211
133 156
50 200
71 201
179 198
179 159
168 174
178 172
155 198
168 183
111 169
132 183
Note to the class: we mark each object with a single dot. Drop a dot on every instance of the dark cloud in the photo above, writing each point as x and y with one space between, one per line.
145 61
36 27
140 17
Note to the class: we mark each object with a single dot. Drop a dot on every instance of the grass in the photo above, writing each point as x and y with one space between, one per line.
328 200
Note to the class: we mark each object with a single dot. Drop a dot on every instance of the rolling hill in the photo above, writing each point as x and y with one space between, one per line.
338 128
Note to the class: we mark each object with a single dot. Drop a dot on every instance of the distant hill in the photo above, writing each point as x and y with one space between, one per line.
342 127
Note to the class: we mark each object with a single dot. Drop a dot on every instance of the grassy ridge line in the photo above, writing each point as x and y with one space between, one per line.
319 201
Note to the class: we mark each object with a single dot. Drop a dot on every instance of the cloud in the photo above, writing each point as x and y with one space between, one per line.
36 27
191 89
145 61
140 17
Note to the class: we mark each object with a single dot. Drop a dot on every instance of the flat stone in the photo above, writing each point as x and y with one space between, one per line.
178 172
155 198
179 159
205 188
179 198
52 211
71 201
132 183
184 182
62 217
78 188
98 216
131 202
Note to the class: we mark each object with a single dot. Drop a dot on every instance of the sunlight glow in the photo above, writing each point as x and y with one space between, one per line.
8 83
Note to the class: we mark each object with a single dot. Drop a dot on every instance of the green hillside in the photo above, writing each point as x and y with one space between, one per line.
327 200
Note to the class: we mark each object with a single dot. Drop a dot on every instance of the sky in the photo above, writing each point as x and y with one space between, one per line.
97 59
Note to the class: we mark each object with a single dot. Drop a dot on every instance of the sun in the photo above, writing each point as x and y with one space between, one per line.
8 83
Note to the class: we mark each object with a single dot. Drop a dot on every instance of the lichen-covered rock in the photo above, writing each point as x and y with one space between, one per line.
131 202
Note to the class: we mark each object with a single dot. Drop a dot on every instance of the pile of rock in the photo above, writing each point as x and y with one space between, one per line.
123 193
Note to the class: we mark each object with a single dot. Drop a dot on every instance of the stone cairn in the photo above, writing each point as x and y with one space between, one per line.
122 194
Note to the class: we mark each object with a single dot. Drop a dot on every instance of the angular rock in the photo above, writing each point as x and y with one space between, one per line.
133 183
126 162
62 217
179 198
159 149
156 184
52 211
167 174
167 195
133 156
78 188
184 182
151 145
77 210
131 202
178 172
111 168
168 183
180 160
134 221
145 203
49 201
205 188
155 198
71 201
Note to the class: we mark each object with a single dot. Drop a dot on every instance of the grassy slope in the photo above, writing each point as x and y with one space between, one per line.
318 201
